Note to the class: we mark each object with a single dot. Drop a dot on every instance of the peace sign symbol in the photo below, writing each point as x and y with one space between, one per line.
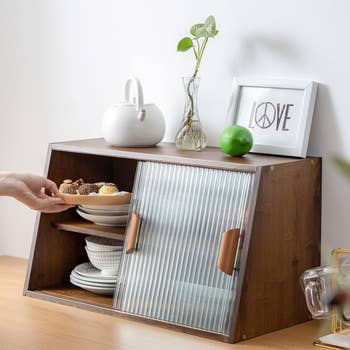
265 115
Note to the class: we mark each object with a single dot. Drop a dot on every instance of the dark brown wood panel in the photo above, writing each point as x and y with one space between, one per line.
56 254
124 173
211 157
284 243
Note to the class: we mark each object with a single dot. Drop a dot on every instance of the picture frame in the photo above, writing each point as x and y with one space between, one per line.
278 112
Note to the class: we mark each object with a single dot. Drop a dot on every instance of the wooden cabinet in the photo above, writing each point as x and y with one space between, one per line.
259 216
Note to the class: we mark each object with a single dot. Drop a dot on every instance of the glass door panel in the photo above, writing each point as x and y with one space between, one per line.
172 274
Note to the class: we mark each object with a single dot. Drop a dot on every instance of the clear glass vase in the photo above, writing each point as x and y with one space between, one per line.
190 137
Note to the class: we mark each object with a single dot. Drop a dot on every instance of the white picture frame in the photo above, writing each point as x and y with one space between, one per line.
278 112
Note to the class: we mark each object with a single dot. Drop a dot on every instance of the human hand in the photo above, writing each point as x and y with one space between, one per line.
28 189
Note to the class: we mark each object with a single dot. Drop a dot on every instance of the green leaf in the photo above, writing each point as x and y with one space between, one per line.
184 44
343 165
195 29
210 21
209 28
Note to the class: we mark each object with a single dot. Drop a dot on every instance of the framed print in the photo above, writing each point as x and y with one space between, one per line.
277 112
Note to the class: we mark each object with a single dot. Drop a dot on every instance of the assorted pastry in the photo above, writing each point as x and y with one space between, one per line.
79 187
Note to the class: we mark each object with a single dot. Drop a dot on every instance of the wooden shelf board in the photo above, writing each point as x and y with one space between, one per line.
89 228
211 157
70 292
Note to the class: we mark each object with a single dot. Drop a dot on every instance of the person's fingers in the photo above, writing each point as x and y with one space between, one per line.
39 200
50 185
28 198
50 201
42 195
40 204
57 208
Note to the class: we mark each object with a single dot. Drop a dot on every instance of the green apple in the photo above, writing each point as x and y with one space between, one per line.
236 140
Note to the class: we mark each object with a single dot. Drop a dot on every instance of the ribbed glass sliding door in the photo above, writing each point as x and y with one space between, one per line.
172 273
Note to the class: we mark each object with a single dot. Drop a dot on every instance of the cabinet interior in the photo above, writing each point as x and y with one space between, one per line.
60 243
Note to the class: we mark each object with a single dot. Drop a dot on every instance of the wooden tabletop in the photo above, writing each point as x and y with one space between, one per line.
27 323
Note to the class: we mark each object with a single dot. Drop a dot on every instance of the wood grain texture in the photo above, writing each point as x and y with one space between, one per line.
89 228
75 199
228 250
133 231
211 157
284 243
58 295
32 324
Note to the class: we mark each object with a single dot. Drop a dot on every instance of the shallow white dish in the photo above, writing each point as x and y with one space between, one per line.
120 207
107 262
102 244
90 271
102 280
104 220
103 211
93 289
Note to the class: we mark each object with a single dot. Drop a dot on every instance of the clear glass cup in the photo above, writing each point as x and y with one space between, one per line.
317 286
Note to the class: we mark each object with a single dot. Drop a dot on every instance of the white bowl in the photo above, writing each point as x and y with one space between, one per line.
107 262
101 244
105 220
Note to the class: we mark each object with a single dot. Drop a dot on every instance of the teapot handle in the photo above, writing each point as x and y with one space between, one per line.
139 96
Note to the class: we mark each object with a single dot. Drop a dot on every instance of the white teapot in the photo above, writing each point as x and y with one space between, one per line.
132 123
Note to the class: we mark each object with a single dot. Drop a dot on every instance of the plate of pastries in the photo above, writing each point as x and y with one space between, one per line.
91 193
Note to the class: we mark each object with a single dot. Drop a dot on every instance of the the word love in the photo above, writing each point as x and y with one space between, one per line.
269 116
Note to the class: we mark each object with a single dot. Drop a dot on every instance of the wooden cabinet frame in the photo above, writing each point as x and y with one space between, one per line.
281 240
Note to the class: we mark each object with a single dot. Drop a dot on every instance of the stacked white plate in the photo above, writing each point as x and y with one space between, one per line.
86 276
106 215
101 273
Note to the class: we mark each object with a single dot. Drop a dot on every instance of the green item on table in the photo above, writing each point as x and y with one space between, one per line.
236 140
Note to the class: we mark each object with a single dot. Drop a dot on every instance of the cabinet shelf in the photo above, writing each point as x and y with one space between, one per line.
71 293
89 228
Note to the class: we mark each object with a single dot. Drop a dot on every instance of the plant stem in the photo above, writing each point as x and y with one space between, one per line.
198 54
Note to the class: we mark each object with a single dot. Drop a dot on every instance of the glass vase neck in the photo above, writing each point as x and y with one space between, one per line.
191 87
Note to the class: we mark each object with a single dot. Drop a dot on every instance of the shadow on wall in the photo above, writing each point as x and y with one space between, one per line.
325 141
324 125
253 46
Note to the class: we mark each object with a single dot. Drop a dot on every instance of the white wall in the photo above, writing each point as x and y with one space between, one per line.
62 62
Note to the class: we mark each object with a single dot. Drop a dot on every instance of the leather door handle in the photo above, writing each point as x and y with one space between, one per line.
228 250
134 227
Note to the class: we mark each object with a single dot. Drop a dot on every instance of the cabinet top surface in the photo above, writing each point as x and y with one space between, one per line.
211 157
